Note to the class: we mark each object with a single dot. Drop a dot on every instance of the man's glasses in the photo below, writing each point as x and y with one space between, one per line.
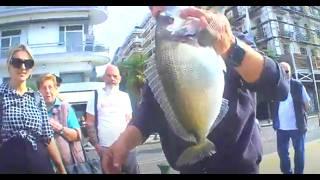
17 63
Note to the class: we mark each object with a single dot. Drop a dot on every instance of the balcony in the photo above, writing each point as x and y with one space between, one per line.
133 43
148 51
135 50
302 38
280 9
259 37
286 34
14 14
302 61
60 52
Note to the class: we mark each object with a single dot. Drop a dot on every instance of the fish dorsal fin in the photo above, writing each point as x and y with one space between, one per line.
156 86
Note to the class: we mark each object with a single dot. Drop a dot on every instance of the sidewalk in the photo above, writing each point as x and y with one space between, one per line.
270 163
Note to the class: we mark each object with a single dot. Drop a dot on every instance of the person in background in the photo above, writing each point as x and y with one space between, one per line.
62 119
290 122
26 136
113 114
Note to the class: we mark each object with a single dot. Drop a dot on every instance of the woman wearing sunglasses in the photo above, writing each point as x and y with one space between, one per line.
26 137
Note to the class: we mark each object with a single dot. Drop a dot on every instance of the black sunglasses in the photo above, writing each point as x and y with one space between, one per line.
17 63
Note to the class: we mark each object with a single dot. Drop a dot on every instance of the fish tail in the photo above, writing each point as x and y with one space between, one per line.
196 153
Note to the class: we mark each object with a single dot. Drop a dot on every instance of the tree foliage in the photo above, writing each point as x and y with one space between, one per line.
132 72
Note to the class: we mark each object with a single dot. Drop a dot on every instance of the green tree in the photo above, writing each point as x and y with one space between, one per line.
271 53
132 72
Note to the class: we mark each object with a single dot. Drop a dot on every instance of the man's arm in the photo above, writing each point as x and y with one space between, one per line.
306 99
92 132
255 69
140 127
271 81
55 155
116 155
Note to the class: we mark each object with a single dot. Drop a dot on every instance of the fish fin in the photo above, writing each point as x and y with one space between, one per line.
223 111
196 153
156 87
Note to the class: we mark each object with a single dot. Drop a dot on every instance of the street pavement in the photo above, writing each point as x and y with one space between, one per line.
150 154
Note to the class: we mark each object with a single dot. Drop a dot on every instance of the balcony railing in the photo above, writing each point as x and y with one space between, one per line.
302 38
316 62
302 61
286 34
48 48
15 10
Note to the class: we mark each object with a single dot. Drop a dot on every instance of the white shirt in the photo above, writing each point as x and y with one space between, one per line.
112 106
286 113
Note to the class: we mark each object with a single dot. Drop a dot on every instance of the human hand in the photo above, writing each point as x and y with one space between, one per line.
217 25
61 169
114 157
56 126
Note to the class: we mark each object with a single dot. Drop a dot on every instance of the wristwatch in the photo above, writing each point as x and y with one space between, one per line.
236 53
61 132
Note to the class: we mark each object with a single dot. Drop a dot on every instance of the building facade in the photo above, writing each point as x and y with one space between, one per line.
62 41
285 33
140 40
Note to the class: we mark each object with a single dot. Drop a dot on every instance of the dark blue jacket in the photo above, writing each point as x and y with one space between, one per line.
237 138
299 109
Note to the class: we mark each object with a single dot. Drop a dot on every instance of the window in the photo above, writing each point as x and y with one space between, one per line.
279 18
9 39
286 49
72 37
303 51
314 52
61 35
72 77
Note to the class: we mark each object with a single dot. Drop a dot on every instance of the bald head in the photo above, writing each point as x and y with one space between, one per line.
112 75
286 67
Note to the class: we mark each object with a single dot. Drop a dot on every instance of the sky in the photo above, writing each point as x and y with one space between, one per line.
121 21
113 32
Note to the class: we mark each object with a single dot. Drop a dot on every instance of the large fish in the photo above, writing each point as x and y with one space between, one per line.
187 80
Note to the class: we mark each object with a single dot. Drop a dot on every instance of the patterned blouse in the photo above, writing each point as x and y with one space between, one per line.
23 117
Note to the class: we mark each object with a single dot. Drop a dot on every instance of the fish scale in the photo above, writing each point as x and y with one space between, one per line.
187 81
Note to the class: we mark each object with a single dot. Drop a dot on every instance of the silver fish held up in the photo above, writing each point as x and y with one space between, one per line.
187 81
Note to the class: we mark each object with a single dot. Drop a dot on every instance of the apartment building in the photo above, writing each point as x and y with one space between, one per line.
62 41
286 33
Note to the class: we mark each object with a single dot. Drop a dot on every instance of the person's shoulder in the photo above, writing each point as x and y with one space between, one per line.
3 87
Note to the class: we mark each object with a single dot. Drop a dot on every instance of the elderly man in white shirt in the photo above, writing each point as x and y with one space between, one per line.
291 123
113 114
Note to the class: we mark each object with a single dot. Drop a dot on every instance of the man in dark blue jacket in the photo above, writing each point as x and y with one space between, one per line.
290 122
236 137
